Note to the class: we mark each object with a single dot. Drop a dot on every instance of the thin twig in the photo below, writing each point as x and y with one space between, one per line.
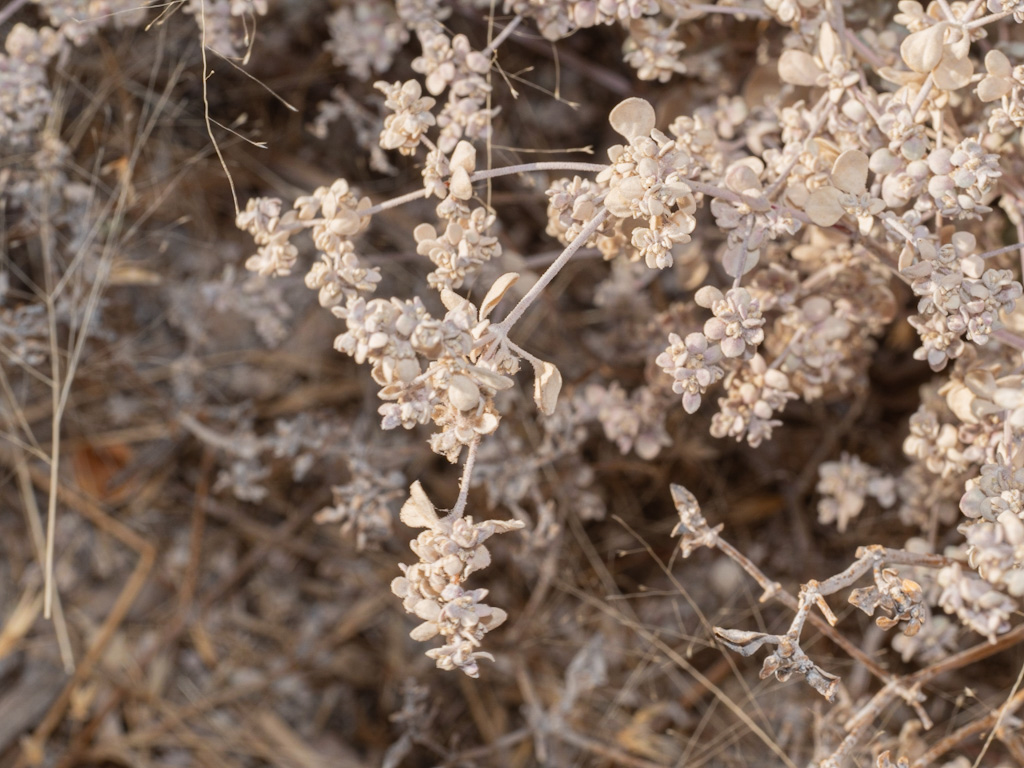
971 729
537 288
12 8
683 664
502 36
548 165
467 476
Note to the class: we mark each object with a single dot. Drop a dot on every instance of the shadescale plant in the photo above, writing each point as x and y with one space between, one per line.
755 245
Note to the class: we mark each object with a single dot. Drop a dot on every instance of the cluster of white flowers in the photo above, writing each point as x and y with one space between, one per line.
633 422
339 275
959 297
24 89
693 365
754 394
559 18
365 37
262 219
975 601
934 443
744 212
853 204
451 64
450 549
653 50
466 242
450 390
994 506
844 486
410 116
965 178
824 350
646 180
572 203
362 507
737 326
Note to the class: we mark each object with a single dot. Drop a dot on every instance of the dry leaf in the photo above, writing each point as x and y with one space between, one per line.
953 72
850 172
546 386
823 206
451 299
463 392
463 156
997 83
497 293
460 186
418 512
737 261
633 117
489 378
922 51
799 68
